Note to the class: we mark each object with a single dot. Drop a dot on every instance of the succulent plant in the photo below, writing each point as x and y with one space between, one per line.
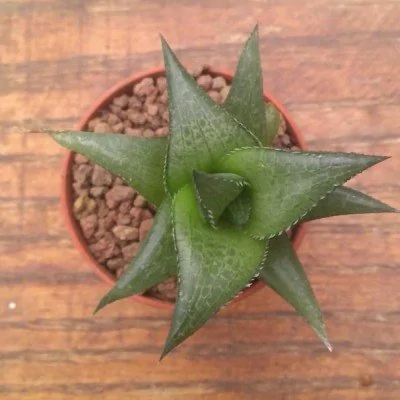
225 197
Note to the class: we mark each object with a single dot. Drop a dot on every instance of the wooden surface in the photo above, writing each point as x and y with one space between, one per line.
336 65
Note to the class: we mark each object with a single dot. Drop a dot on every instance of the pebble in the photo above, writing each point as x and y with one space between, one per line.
218 83
162 84
92 123
80 159
83 173
125 207
102 127
144 88
136 214
88 225
123 219
115 263
103 249
163 99
140 201
162 132
146 215
137 117
130 251
98 191
205 82
216 96
121 101
118 128
117 194
123 232
113 119
152 109
101 177
134 102
79 204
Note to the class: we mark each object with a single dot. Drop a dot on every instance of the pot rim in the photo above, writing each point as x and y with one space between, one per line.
66 180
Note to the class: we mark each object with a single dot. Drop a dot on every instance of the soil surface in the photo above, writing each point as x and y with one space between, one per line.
113 217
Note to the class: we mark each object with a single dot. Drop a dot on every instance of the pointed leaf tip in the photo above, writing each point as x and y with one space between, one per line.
320 331
326 342
165 45
138 160
168 347
345 201
154 262
102 303
284 273
245 100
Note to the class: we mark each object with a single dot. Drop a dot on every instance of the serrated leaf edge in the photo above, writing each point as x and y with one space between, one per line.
178 276
208 214
310 154
302 216
252 280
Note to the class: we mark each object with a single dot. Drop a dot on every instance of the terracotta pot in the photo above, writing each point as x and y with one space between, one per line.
66 180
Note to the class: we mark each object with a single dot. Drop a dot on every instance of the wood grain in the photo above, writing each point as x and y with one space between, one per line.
336 66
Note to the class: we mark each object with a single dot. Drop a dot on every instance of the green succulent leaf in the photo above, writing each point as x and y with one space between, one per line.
341 201
345 201
214 192
214 266
273 119
238 213
245 100
285 185
201 131
155 261
283 272
138 160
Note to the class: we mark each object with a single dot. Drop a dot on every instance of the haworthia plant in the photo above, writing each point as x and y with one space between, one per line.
224 200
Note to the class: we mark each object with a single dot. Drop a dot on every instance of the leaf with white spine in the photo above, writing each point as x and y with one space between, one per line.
214 266
137 160
245 100
201 131
286 185
346 201
283 272
154 263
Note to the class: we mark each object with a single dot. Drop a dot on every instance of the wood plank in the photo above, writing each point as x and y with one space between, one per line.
374 292
136 21
342 72
270 365
349 330
334 65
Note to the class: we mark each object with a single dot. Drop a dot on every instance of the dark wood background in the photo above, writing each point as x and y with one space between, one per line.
336 66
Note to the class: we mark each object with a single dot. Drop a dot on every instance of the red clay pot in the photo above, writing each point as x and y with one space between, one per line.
66 181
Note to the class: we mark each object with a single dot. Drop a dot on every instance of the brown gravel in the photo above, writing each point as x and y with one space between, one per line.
113 217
